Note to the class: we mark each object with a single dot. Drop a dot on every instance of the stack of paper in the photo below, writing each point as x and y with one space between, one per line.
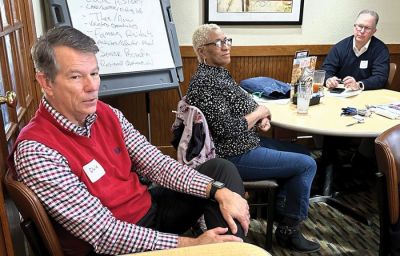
391 110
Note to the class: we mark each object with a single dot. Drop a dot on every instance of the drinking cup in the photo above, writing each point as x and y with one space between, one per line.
318 82
303 98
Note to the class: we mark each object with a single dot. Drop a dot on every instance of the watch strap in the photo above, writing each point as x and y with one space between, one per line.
215 185
213 190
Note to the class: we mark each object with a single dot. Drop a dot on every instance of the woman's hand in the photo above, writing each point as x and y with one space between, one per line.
264 124
263 112
256 117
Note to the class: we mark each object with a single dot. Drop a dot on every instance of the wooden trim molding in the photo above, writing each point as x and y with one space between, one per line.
277 50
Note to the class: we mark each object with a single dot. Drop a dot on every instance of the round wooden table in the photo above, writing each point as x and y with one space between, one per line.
325 118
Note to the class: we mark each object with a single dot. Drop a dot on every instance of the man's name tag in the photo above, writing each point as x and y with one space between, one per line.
364 64
94 171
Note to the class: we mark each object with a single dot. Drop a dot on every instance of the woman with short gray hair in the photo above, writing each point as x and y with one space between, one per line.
233 118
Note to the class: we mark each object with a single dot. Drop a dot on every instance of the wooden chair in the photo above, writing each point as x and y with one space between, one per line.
392 72
40 233
36 224
270 186
387 150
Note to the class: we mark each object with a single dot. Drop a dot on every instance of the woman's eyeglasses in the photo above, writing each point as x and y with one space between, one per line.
218 43
360 28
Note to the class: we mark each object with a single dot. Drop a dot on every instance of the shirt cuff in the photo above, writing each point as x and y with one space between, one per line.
165 241
199 185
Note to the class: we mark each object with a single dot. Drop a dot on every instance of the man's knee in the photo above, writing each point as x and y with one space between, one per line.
223 170
216 166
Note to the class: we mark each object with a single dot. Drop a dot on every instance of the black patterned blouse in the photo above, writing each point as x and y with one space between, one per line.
224 104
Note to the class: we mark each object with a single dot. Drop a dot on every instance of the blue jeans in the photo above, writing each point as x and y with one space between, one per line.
294 171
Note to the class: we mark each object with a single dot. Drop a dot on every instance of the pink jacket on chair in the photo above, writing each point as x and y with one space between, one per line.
189 116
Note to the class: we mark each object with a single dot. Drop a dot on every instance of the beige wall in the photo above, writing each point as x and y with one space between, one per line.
39 16
324 22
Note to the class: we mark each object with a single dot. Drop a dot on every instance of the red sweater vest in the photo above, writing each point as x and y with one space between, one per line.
118 189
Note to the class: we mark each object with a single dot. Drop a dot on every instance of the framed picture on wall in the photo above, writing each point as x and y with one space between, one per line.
254 12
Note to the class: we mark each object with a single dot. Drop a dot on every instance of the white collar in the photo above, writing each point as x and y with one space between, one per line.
362 50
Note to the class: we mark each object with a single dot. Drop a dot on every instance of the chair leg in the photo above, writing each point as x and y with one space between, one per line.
33 237
270 187
384 222
270 218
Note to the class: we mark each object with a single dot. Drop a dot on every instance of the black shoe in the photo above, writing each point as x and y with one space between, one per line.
293 239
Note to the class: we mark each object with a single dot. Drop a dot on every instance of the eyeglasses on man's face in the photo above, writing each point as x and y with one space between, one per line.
218 43
362 28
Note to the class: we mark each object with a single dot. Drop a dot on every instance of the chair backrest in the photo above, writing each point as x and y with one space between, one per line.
392 72
387 150
32 210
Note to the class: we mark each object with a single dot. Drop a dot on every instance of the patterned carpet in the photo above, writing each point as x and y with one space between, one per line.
338 234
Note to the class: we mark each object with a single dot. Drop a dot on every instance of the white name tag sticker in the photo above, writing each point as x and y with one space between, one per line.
364 64
94 171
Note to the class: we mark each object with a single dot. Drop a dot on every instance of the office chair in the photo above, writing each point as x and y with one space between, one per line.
36 224
187 114
387 151
392 72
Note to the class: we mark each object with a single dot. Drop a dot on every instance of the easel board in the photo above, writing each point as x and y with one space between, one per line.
139 50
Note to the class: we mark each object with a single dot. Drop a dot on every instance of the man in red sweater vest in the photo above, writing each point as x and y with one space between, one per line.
82 158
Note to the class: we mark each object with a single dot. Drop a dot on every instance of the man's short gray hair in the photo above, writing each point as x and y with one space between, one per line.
372 13
43 50
200 36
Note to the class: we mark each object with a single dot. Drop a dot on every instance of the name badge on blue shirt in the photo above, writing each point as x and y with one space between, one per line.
364 64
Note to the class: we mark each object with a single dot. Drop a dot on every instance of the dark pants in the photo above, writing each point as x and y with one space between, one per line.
175 212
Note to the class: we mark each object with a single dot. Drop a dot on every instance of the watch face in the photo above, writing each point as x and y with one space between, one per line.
218 184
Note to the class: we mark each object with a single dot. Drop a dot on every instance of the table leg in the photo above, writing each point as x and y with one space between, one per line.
327 195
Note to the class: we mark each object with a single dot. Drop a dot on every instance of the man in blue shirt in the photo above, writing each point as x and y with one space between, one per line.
360 61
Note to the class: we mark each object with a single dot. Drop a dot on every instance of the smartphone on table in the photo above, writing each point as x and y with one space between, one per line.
337 90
